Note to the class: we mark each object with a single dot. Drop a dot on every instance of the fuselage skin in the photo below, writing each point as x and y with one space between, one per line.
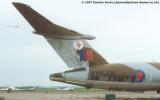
128 76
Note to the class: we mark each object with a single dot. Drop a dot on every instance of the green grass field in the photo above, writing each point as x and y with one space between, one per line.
74 90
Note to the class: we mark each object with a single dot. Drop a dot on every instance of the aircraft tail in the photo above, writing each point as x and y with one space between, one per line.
71 46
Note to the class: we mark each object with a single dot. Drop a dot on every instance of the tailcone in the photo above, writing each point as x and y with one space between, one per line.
56 77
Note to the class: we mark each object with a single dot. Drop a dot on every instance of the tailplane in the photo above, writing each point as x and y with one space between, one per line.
71 46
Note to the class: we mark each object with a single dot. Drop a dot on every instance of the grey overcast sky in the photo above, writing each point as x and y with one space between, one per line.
125 33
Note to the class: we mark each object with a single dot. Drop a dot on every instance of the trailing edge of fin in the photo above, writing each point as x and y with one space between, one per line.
64 41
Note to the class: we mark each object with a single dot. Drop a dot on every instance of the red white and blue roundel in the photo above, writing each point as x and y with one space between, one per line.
138 76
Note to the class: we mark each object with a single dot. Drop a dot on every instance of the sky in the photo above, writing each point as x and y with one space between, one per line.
124 33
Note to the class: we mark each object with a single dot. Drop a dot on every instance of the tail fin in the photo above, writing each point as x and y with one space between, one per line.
71 46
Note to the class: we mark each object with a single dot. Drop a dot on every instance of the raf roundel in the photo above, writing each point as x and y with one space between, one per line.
78 45
138 76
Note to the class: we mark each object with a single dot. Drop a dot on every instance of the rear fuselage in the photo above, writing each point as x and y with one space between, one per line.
129 76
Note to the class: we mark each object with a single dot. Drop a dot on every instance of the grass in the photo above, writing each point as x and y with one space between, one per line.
81 90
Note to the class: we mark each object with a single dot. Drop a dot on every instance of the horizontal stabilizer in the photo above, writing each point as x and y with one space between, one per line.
68 37
70 45
45 27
